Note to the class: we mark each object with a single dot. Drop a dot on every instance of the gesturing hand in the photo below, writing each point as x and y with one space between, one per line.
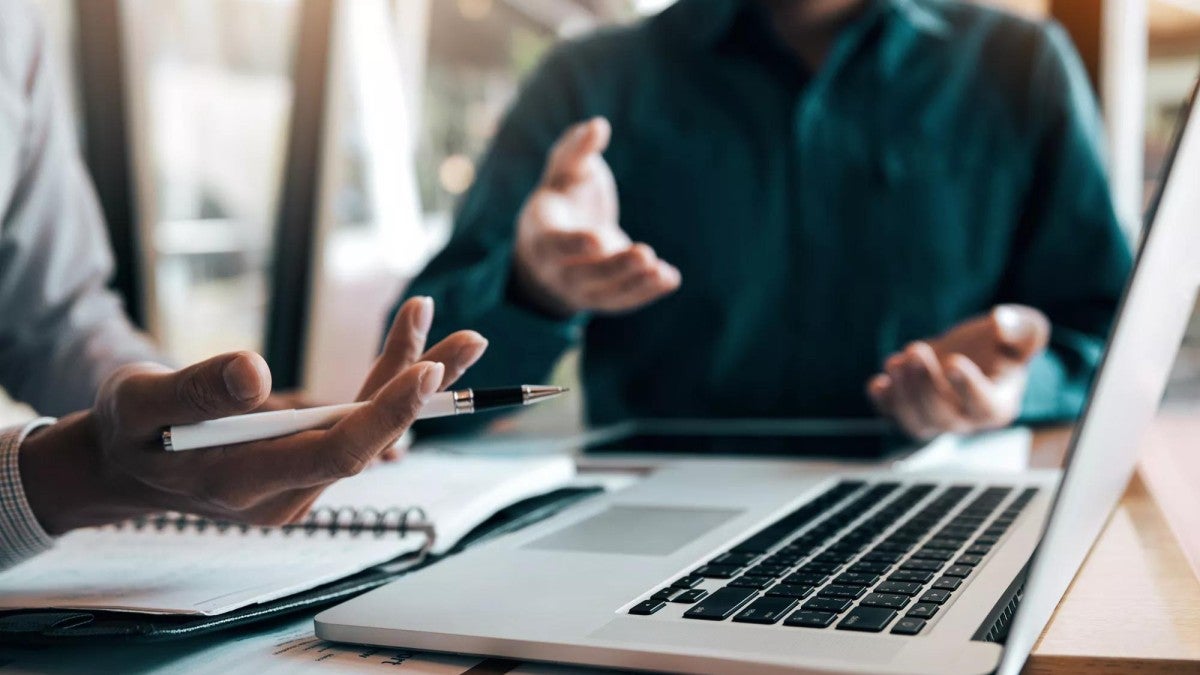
970 378
107 463
571 254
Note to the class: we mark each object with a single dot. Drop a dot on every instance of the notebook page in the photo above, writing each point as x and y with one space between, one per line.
457 492
189 572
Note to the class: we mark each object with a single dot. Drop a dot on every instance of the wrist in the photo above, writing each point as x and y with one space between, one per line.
67 482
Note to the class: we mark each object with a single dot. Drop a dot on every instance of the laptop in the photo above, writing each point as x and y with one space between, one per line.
776 568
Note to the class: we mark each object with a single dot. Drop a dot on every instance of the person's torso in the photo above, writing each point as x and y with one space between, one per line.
819 223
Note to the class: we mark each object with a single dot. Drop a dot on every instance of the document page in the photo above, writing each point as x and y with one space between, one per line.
189 572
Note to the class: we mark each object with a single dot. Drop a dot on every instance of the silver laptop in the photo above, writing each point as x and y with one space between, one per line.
763 568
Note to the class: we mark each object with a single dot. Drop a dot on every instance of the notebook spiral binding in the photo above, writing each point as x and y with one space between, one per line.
323 520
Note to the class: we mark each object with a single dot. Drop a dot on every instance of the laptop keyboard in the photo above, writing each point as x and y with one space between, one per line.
849 572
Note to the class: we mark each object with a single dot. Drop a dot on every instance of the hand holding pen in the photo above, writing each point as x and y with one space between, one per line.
106 464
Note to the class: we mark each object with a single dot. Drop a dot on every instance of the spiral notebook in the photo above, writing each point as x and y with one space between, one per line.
173 564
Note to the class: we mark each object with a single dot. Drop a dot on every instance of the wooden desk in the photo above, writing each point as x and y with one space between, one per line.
1134 606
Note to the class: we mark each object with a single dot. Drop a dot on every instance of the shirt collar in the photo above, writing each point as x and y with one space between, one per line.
708 22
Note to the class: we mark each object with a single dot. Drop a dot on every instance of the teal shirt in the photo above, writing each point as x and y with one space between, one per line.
944 159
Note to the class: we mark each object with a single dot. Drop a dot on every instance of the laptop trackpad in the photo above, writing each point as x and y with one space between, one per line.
636 530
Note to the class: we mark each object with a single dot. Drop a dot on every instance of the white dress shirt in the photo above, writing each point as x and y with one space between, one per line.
62 331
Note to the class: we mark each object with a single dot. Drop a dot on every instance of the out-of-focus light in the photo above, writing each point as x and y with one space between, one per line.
456 174
474 9
651 6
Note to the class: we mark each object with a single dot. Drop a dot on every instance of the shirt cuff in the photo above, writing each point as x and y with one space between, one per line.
21 535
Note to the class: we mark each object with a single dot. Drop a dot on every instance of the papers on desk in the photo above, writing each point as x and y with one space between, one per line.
193 567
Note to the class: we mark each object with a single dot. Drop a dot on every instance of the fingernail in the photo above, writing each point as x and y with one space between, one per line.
471 353
1009 323
423 321
244 377
431 380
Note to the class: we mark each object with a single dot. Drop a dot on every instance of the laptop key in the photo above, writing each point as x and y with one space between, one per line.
809 619
868 619
958 571
935 596
647 607
690 597
884 600
806 579
716 571
912 576
790 591
899 587
721 604
690 581
856 579
766 610
767 570
947 584
923 610
870 567
908 626
922 565
750 582
888 557
735 559
969 560
820 568
847 592
835 605
939 554
664 594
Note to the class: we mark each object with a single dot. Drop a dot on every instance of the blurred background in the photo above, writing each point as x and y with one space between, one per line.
274 171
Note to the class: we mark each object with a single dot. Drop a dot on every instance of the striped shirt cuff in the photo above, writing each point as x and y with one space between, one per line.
21 536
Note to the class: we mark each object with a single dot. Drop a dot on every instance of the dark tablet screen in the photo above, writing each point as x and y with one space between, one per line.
840 445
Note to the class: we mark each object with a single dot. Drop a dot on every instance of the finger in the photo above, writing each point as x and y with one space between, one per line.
602 269
403 346
938 400
1021 331
457 352
569 157
881 393
149 397
975 391
638 289
904 398
357 438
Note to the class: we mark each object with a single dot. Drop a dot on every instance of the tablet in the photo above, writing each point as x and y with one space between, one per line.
824 439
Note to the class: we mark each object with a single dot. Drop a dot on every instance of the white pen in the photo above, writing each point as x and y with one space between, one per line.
257 426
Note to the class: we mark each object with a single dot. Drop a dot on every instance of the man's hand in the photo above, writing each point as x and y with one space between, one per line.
107 463
969 379
571 255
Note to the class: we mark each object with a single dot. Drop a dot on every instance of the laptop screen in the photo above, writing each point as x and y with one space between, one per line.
1156 315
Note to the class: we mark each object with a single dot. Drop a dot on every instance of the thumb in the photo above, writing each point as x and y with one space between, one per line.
228 384
568 158
1021 331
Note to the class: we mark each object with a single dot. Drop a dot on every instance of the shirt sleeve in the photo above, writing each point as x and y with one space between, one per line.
21 536
62 331
1071 258
470 280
